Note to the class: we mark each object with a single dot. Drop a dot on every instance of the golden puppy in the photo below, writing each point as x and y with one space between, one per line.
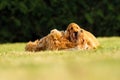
83 38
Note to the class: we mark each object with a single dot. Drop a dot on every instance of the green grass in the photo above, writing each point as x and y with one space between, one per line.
100 64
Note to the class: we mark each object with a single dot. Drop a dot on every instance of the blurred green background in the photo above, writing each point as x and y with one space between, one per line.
24 20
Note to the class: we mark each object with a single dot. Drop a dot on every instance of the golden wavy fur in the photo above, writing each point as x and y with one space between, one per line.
31 46
50 42
73 38
53 41
83 38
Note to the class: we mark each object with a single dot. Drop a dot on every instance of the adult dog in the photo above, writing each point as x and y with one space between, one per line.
83 38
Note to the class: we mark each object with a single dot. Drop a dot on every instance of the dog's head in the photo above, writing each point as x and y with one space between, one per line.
71 32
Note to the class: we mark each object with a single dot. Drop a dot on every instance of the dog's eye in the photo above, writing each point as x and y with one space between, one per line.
81 30
71 27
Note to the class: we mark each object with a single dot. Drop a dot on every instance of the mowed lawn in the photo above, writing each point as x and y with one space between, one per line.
100 64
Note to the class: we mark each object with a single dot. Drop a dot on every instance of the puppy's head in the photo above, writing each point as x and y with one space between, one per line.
72 32
80 33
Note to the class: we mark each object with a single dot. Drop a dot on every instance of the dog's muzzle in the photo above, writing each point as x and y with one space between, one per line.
75 35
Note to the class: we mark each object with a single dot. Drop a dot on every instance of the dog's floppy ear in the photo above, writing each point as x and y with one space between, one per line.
67 34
